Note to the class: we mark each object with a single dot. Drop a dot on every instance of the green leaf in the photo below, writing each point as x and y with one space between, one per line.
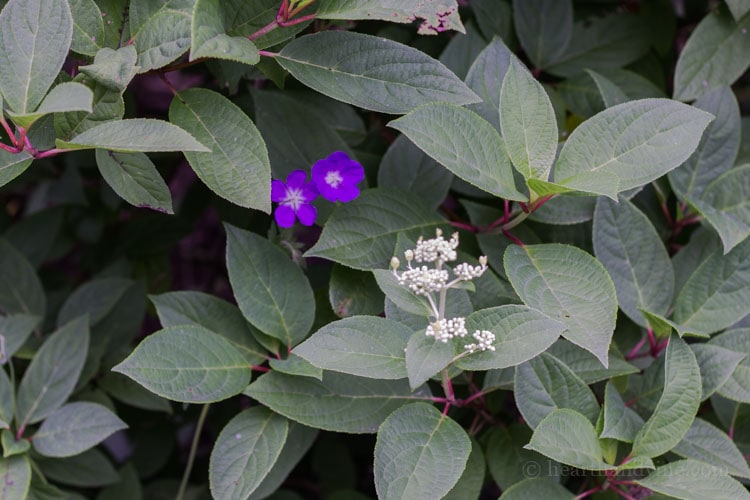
707 443
737 385
20 288
7 400
528 123
612 95
425 177
212 313
570 438
134 134
65 97
717 293
413 443
717 148
96 298
738 8
53 372
464 143
620 421
434 16
74 428
236 167
339 403
587 366
362 234
15 329
370 72
486 75
470 483
612 41
354 293
245 452
162 38
88 27
635 257
568 285
535 488
113 68
715 55
691 480
725 206
521 333
209 38
11 446
108 106
677 405
127 391
15 474
91 468
135 179
663 327
34 39
545 384
400 295
425 357
636 142
189 364
271 290
461 51
365 346
544 28
13 165
717 363
509 462
296 365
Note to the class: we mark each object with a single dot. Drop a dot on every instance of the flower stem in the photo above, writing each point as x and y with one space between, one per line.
193 450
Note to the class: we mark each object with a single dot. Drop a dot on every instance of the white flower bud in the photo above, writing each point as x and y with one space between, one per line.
395 263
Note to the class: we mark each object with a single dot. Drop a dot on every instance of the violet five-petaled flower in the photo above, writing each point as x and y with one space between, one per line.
294 198
337 176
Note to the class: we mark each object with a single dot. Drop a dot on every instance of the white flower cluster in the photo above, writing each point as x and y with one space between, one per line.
484 340
446 329
436 249
465 272
423 280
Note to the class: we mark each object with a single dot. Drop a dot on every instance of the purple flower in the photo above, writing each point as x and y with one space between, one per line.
294 200
337 176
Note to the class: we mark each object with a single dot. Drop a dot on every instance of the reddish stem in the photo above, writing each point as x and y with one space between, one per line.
50 152
512 238
8 130
168 83
267 53
633 354
9 149
506 213
595 489
651 339
284 24
465 226
665 209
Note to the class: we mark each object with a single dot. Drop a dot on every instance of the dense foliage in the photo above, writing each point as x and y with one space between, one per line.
348 249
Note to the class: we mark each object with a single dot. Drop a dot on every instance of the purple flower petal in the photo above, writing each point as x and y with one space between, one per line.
307 214
284 216
278 191
296 178
348 193
309 192
336 177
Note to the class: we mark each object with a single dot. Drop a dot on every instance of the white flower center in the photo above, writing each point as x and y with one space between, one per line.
334 179
294 198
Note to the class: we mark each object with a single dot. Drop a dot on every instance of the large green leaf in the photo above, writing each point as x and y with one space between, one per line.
91 468
135 134
209 38
88 27
634 255
692 480
53 372
534 488
189 364
16 329
237 166
108 105
570 438
362 234
509 462
528 123
717 148
620 421
717 363
568 285
135 179
35 36
7 400
464 143
717 293
485 78
737 386
113 68
425 357
725 204
636 142
677 405
162 38
587 366
74 428
544 28
245 452
13 165
413 443
20 288
435 16
339 403
63 98
472 480
96 298
213 313
521 333
716 54
612 95
738 8
15 474
707 443
545 384
271 290
365 346
371 72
